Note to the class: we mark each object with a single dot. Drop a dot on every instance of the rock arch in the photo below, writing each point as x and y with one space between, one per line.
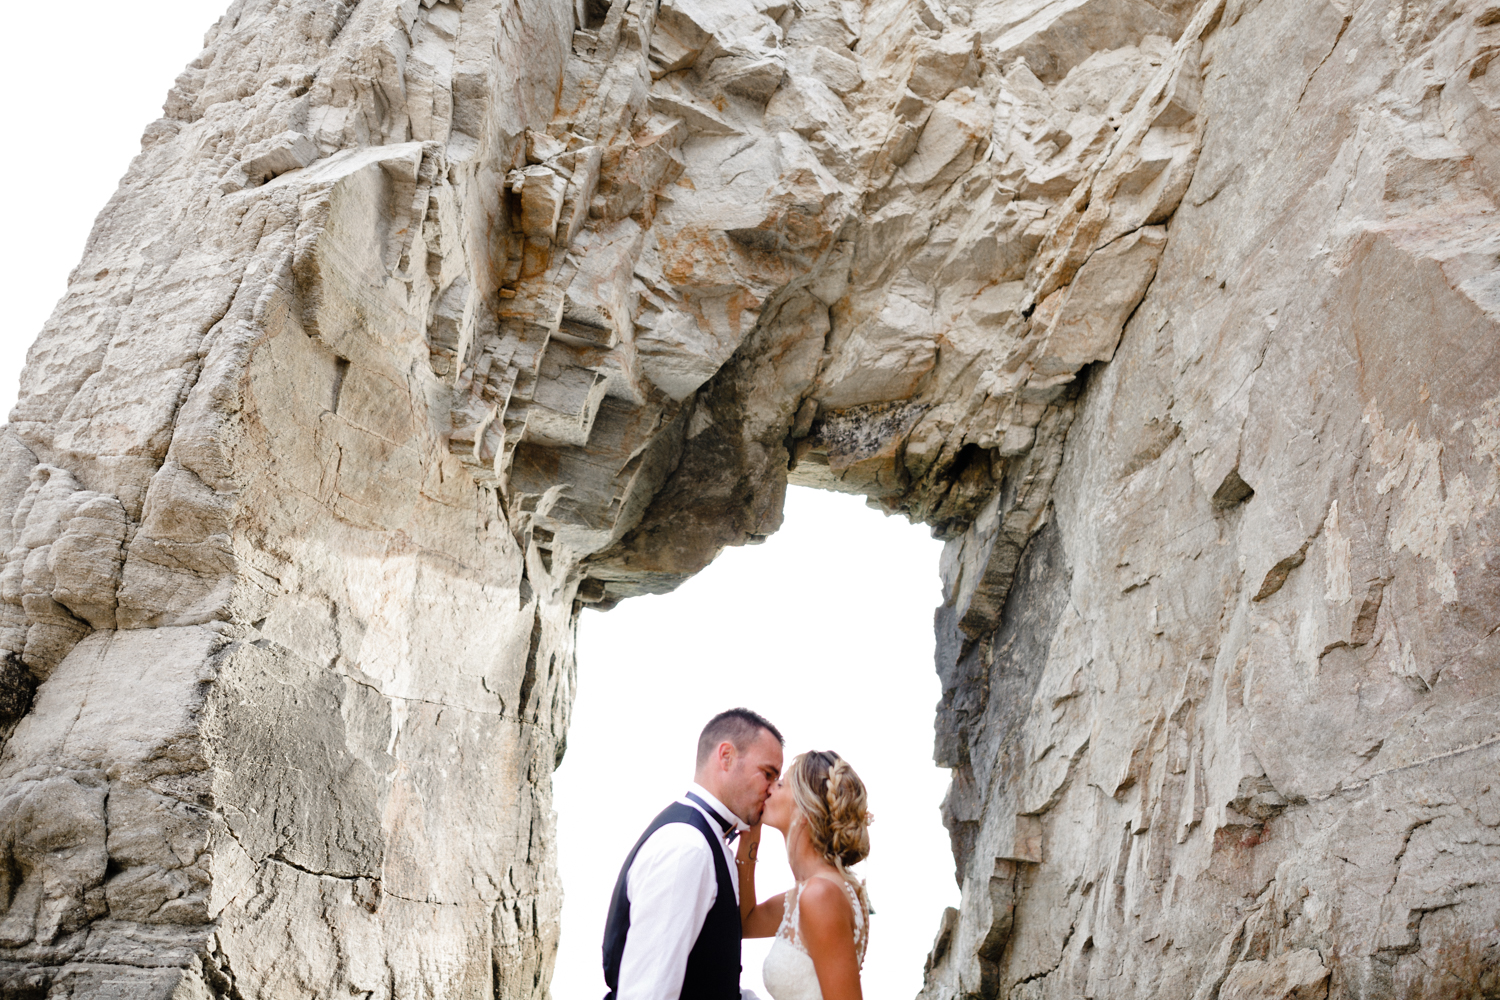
420 325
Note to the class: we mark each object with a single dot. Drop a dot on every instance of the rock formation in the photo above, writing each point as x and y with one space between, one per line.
418 326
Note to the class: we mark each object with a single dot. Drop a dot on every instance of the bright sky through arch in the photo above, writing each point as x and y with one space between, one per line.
826 629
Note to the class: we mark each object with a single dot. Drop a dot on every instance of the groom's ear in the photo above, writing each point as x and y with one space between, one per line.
724 754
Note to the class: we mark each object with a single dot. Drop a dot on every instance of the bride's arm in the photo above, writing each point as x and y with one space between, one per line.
744 860
761 921
827 928
755 920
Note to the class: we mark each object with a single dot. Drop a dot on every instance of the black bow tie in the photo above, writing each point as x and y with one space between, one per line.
731 831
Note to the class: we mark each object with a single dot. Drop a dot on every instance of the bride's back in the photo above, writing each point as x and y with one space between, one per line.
790 972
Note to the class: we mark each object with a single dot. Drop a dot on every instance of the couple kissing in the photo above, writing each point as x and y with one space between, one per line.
685 897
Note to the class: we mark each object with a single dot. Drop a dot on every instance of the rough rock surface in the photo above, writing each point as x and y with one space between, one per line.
420 325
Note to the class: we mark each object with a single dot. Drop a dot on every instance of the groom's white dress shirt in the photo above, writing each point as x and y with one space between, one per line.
671 888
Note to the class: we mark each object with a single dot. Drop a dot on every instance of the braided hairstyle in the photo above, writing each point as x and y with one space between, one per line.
831 800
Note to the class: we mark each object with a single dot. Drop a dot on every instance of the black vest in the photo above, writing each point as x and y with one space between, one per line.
713 966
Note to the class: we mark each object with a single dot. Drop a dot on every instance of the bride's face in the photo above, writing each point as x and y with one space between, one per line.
779 807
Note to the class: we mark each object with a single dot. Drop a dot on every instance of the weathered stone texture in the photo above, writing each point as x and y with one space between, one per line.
1260 746
420 325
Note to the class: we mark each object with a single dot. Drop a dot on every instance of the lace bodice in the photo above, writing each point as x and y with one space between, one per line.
788 971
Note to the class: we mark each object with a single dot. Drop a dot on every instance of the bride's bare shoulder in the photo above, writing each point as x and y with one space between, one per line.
824 904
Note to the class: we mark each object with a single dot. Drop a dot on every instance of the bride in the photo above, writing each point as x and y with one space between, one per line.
822 923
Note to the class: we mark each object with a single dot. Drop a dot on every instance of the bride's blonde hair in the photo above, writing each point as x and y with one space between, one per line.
831 800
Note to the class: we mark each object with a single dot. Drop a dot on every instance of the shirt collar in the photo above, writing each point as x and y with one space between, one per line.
717 806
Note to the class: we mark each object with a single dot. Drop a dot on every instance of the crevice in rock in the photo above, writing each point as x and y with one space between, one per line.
1233 491
1276 576
343 876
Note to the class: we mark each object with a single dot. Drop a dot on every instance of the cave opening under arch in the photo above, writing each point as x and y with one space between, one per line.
826 629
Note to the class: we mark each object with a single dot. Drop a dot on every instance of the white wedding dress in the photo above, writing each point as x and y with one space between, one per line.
788 972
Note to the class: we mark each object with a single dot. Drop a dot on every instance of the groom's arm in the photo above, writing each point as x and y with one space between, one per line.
671 887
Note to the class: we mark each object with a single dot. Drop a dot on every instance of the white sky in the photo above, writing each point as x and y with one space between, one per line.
827 628
81 93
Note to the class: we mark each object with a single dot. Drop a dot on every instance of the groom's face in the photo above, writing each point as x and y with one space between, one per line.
750 776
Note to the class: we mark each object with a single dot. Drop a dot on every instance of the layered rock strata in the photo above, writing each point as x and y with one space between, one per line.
417 327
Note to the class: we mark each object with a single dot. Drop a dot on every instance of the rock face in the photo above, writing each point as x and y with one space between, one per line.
417 327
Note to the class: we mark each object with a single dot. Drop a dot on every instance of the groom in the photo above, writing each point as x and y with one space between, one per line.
673 929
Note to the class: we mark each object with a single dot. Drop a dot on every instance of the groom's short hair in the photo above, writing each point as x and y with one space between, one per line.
739 726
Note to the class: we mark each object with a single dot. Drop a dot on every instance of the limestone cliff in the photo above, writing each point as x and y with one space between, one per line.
418 326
